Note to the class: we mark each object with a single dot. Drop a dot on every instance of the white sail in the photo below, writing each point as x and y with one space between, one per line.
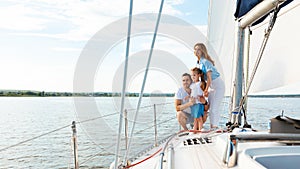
278 69
220 35
280 63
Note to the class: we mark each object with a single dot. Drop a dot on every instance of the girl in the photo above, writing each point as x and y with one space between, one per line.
197 110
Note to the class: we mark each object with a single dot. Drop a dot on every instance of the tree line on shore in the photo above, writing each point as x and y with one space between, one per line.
30 93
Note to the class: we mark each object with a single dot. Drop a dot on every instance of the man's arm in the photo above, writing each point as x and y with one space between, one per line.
180 106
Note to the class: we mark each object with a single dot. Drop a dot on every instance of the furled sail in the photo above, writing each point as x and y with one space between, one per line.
244 6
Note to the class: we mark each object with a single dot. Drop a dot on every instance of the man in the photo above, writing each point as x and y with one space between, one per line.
183 102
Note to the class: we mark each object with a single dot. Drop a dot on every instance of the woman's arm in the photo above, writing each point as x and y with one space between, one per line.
208 75
202 100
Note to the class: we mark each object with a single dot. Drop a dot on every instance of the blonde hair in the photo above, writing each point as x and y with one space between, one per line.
204 52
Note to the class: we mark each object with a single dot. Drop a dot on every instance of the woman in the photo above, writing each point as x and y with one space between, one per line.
214 82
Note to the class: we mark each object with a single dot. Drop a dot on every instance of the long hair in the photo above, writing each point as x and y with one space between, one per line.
203 49
203 82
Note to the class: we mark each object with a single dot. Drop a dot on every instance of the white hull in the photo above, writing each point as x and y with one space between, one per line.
187 152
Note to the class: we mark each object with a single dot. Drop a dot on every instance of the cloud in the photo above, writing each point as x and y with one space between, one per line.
72 20
67 49
203 29
17 17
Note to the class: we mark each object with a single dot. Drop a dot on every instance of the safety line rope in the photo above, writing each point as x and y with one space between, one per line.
261 51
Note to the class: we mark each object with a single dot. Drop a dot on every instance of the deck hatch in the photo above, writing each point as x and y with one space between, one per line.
196 141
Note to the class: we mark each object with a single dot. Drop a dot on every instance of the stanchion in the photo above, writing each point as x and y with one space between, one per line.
74 138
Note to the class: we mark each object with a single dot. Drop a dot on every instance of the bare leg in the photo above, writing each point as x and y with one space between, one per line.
204 118
195 124
200 123
181 117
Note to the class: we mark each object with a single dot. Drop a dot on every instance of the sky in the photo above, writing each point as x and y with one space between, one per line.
42 42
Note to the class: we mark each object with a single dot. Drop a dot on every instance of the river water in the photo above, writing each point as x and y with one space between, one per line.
36 131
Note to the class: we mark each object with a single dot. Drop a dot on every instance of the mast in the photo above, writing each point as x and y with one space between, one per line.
248 19
238 82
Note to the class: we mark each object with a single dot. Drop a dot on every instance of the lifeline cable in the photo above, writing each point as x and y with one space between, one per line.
33 138
52 131
261 51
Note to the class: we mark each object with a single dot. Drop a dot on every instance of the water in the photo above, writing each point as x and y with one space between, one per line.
25 118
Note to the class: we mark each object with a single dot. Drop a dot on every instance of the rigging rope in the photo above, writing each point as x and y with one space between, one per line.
144 80
52 131
208 134
263 46
156 125
85 121
33 138
152 105
124 83
90 158
65 126
144 159
95 118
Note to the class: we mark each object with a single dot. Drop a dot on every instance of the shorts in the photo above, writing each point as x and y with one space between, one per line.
197 110
190 119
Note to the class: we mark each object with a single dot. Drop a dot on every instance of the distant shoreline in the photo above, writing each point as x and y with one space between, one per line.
275 95
30 93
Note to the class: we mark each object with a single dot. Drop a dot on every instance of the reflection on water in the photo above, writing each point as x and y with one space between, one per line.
25 118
